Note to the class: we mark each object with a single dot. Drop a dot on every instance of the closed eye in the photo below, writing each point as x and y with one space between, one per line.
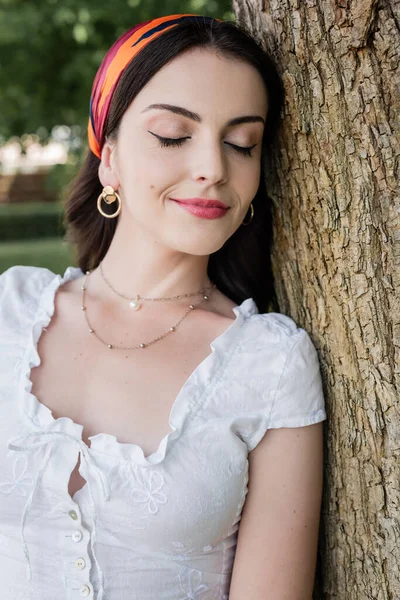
175 142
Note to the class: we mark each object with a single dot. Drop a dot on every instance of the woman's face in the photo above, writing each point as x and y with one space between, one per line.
194 151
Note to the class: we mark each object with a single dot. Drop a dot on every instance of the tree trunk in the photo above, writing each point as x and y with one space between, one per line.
333 179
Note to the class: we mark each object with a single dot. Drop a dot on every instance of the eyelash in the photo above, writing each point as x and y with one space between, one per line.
176 142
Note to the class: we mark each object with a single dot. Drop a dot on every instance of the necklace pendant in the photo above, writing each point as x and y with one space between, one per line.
135 304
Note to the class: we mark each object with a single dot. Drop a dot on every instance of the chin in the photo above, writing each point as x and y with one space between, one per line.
201 248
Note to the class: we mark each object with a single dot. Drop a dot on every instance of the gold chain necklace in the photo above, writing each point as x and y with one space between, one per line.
142 345
135 304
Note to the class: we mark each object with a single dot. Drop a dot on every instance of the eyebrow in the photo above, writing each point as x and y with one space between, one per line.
184 112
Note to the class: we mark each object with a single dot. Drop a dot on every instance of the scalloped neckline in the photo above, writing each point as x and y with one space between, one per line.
184 407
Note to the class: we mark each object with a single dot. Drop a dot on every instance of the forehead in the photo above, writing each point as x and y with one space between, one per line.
206 82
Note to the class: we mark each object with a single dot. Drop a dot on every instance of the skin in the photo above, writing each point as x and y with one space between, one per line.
173 245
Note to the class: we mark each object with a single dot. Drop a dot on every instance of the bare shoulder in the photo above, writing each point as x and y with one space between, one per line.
68 299
221 305
73 286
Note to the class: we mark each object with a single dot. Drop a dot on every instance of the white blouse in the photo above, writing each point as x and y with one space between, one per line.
157 527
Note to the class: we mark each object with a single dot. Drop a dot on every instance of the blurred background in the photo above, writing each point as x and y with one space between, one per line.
50 51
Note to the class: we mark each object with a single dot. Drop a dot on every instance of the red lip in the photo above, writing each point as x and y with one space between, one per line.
204 212
202 202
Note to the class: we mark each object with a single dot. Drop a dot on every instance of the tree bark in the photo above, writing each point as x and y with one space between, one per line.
334 181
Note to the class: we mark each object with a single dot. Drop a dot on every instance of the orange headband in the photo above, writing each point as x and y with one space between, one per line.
113 64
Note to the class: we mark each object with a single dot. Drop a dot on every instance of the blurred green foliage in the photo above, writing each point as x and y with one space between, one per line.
50 51
60 176
52 253
31 220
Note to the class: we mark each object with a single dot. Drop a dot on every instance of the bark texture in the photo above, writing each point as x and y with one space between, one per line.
334 181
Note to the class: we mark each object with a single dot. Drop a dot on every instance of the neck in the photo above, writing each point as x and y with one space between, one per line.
143 266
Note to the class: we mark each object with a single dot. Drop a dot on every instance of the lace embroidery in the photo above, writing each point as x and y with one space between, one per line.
19 482
148 493
181 552
190 582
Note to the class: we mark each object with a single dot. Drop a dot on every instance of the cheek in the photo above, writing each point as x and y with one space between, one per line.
153 168
247 180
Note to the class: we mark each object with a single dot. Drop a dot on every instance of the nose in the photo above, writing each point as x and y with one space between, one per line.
209 163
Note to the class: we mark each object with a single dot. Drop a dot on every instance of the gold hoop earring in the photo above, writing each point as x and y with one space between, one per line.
109 195
252 215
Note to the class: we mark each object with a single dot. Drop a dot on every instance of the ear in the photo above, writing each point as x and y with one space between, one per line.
108 168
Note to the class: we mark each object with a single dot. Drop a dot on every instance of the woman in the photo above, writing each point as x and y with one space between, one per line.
129 451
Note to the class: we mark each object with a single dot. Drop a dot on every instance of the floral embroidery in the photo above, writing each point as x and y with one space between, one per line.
181 552
19 482
149 491
190 581
226 407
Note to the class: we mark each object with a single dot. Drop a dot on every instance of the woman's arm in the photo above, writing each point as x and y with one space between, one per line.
278 533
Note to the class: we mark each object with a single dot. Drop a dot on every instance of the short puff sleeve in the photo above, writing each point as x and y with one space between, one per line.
290 391
299 398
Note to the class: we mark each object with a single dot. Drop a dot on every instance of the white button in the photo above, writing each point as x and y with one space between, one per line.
77 536
80 563
85 590
73 515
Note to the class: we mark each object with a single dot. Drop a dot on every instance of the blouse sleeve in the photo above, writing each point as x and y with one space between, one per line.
20 289
275 380
299 398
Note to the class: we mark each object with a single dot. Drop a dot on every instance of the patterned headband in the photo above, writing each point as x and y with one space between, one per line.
113 64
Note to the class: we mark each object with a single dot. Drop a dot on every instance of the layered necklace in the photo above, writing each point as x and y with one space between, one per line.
136 303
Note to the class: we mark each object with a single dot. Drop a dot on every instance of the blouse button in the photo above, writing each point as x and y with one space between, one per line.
77 536
85 590
73 515
80 563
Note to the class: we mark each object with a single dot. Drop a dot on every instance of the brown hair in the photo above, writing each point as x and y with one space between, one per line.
241 268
